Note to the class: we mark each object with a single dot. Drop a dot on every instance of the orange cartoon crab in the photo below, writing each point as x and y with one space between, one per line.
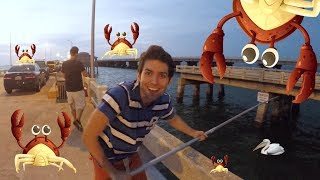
267 22
219 166
40 151
121 46
25 56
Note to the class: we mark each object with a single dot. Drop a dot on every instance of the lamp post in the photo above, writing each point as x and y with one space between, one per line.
92 37
45 51
10 51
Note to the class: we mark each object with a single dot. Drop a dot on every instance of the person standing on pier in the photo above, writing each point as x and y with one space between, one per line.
126 115
73 70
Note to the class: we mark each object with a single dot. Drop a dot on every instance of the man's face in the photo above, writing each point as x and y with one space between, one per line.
154 80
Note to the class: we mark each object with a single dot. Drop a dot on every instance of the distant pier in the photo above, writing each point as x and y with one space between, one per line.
268 82
190 61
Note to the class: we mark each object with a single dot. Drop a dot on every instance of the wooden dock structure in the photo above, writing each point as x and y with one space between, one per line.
190 61
268 82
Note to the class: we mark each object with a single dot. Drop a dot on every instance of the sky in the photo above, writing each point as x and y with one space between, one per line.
179 26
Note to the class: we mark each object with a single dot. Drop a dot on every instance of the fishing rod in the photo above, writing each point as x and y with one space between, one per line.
173 151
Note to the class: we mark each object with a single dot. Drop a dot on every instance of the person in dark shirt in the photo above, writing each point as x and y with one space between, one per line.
73 70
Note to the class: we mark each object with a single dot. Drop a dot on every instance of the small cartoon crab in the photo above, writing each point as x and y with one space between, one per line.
121 46
267 22
219 166
25 56
40 151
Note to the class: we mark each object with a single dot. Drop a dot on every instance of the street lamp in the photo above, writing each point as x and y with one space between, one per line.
92 37
45 51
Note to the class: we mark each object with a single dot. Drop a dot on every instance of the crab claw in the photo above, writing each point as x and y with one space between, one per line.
17 48
135 32
226 159
213 47
213 158
64 128
306 66
33 48
16 126
107 32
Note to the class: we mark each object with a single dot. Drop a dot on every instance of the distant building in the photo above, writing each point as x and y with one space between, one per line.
84 57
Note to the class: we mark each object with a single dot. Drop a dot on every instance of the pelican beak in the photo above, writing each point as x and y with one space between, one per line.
262 144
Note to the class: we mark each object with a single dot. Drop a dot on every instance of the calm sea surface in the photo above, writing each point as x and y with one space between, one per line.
237 139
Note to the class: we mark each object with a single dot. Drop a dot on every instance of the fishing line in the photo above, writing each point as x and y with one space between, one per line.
173 151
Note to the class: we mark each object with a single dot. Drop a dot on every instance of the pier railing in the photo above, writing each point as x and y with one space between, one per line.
273 76
95 90
2 72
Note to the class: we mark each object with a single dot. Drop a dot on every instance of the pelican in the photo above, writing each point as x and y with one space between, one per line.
270 149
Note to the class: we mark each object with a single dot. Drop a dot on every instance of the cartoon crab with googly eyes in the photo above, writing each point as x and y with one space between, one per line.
40 151
121 46
25 56
267 22
219 166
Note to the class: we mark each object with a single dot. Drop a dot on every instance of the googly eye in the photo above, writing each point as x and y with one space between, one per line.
35 130
118 34
250 53
124 34
46 130
270 57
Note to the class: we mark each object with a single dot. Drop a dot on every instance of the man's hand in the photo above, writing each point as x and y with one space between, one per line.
202 136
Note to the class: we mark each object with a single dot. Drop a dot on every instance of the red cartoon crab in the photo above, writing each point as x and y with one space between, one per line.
121 46
219 166
40 151
25 56
267 21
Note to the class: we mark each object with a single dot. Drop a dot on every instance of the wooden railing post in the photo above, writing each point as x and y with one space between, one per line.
180 90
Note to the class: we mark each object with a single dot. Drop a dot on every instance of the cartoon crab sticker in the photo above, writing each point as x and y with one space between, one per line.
40 151
219 165
121 46
25 56
267 22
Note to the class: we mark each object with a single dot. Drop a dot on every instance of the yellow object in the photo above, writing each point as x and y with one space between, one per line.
41 155
121 50
270 14
219 168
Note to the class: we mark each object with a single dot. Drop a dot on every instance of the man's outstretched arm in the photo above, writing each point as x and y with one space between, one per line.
180 125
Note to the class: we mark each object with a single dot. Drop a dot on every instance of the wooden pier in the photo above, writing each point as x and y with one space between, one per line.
268 82
190 61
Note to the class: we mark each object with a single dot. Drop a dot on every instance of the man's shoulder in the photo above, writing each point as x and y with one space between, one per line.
127 84
165 98
66 62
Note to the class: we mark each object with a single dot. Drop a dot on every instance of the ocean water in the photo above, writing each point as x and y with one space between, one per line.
300 138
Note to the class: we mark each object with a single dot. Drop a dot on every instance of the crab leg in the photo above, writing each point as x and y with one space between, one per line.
15 127
64 128
17 48
106 54
306 66
135 32
56 165
62 160
107 33
133 51
213 48
33 48
26 158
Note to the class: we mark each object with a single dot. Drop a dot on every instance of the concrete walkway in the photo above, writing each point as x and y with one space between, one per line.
40 110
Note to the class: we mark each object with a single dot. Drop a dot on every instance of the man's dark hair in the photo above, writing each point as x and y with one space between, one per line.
74 50
158 53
